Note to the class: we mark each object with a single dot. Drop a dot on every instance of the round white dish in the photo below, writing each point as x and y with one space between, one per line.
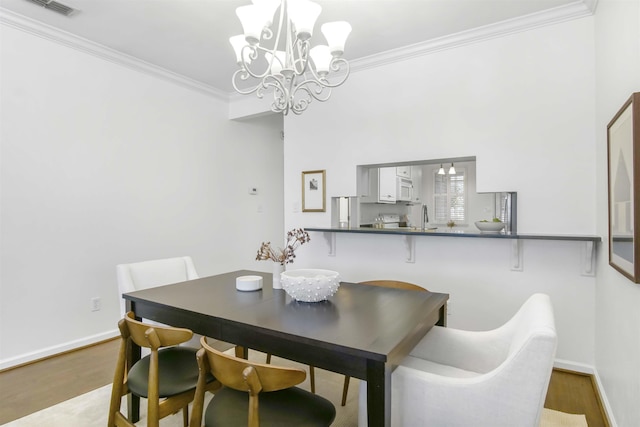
310 285
489 226
248 283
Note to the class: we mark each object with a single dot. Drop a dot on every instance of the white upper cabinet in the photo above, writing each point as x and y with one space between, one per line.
381 185
403 171
416 179
387 185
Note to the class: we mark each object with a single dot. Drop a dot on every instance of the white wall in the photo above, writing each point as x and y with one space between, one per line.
617 27
524 105
101 165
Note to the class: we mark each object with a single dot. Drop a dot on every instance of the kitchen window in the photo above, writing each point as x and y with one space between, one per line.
450 197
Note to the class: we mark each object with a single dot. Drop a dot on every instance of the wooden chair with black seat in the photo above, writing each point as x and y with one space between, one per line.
255 394
167 377
312 375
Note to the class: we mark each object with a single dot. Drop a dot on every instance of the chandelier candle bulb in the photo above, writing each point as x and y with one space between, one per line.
268 7
252 23
239 42
336 34
303 14
321 59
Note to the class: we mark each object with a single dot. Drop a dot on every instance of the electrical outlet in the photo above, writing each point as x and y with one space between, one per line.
96 304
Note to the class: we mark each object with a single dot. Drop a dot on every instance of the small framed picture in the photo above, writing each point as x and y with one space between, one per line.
623 152
313 191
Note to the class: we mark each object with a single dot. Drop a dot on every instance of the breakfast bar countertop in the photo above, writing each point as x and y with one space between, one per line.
444 232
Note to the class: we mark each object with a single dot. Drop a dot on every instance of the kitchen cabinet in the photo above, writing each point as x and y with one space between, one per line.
404 171
382 186
416 174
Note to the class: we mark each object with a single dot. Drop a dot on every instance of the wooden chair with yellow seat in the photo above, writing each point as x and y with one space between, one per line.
167 377
255 394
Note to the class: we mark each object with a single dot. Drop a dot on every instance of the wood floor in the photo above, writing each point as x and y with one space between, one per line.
29 388
576 393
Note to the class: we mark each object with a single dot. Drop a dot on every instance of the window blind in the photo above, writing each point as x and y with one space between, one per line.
449 197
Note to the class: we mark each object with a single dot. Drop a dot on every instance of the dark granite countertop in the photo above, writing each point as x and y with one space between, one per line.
443 232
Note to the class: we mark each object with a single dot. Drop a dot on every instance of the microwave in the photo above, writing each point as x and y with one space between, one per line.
404 189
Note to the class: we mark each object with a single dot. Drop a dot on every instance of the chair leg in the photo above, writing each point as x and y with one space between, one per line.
345 390
242 352
185 416
312 379
268 358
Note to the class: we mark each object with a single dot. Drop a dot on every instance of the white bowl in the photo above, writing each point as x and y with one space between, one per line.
489 225
249 283
310 285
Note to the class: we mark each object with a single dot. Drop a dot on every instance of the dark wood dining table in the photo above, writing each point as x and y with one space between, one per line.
361 331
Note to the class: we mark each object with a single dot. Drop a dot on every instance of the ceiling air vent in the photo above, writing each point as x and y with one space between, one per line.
55 6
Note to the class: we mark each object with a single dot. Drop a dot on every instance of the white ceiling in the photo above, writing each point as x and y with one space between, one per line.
190 37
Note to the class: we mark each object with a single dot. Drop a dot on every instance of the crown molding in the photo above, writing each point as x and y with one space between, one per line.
575 10
55 35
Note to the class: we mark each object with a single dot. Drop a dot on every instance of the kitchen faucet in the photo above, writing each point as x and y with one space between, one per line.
425 216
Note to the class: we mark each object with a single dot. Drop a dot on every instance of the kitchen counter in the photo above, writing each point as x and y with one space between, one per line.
588 243
444 232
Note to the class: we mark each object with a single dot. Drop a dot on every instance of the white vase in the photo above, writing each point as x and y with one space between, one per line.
277 270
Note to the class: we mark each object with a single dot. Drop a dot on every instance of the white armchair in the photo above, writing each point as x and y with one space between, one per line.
496 378
149 274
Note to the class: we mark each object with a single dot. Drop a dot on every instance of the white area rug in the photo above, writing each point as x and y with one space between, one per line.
551 418
90 409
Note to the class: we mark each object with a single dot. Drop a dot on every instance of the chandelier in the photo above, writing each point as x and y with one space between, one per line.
283 61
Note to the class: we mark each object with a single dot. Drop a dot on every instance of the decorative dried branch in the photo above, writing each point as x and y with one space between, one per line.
295 238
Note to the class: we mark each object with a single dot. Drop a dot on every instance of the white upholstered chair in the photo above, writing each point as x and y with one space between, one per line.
496 378
149 274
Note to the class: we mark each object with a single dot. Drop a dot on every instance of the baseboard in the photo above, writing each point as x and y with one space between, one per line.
604 401
22 359
568 365
593 373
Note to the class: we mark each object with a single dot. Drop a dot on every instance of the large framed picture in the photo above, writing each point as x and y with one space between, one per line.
313 191
623 155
